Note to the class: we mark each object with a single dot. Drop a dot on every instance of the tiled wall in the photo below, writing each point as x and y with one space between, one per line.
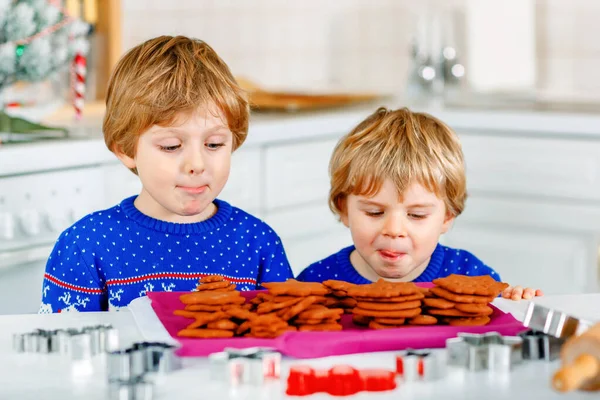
568 51
349 44
360 45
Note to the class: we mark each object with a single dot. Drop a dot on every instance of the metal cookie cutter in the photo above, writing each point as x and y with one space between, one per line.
137 389
414 365
491 351
539 346
253 366
159 358
553 322
140 359
78 344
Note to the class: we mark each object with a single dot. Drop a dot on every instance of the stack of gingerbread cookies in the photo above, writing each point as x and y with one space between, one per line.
383 304
216 308
302 305
339 298
462 300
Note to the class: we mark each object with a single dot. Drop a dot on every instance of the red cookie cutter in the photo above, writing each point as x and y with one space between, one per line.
341 380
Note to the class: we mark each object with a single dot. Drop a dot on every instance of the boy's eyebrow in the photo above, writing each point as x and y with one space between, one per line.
421 205
370 203
215 129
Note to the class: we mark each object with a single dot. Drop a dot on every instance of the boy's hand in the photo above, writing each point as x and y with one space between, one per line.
517 293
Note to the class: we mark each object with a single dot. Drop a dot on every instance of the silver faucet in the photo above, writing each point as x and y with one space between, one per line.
435 63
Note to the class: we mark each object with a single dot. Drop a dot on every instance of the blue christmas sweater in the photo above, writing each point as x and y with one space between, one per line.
444 261
111 257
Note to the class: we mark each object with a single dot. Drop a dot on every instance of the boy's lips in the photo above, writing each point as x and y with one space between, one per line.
194 189
391 255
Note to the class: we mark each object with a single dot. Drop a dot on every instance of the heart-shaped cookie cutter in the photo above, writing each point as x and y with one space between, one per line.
488 351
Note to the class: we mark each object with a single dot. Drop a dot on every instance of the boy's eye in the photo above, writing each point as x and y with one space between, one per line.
374 213
417 216
214 146
170 148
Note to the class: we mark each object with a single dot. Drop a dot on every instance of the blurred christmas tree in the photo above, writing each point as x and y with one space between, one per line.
37 40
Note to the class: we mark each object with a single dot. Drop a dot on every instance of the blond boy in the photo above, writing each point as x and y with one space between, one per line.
398 182
174 115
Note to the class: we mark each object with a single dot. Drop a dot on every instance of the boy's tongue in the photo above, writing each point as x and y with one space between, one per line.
390 253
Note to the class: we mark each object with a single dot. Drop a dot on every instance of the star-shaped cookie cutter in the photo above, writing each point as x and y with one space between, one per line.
254 365
488 351
539 346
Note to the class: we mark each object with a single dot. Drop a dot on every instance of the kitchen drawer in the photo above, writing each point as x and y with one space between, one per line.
297 174
547 167
243 186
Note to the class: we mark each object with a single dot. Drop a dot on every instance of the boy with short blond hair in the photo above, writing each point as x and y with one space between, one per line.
174 114
398 182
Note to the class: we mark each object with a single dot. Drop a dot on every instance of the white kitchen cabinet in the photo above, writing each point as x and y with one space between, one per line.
309 233
243 188
297 173
533 212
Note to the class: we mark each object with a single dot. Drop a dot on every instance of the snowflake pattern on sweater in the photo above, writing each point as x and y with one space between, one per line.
111 257
444 261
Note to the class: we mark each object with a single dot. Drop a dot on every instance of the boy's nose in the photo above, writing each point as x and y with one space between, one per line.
394 227
194 163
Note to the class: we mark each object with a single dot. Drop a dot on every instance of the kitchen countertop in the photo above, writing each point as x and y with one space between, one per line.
25 376
87 147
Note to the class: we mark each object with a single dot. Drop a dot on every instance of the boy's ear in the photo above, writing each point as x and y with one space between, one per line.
125 159
448 221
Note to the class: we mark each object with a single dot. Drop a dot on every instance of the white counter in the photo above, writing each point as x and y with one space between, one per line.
24 376
88 148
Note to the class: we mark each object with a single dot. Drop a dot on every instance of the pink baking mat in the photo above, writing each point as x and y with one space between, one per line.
352 339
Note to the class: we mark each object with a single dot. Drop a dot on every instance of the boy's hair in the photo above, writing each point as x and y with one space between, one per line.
403 146
163 77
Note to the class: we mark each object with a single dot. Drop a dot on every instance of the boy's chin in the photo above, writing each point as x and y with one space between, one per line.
392 273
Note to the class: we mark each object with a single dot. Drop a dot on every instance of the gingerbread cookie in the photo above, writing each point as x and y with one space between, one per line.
377 325
320 327
320 312
410 313
475 308
336 285
460 298
396 299
212 298
390 321
453 312
212 278
483 285
367 305
292 287
438 302
423 320
383 289
298 308
205 333
224 324
270 306
213 285
476 321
